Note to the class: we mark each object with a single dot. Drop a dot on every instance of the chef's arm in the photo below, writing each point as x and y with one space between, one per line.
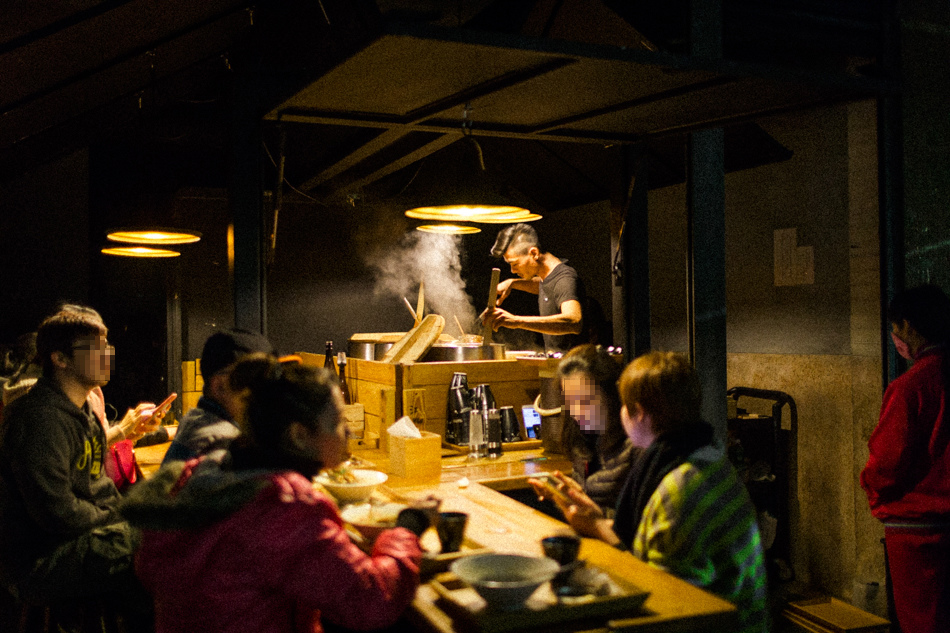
515 283
568 321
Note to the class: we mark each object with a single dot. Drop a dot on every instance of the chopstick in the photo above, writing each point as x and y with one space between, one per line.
392 494
411 311
459 324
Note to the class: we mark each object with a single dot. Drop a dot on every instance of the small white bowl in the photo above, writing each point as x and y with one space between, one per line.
370 520
360 490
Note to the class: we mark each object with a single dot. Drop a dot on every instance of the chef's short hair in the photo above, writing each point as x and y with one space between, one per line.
520 236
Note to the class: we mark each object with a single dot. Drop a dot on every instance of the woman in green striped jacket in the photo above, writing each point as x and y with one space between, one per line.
682 509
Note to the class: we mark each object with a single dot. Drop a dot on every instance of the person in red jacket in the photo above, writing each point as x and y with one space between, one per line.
907 476
248 545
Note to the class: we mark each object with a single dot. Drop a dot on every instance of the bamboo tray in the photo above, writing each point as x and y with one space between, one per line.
468 609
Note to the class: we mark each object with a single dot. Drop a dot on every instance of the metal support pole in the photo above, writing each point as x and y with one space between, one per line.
246 196
890 141
706 314
635 243
706 211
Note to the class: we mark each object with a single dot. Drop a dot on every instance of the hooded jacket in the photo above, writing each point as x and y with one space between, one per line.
260 551
907 476
53 484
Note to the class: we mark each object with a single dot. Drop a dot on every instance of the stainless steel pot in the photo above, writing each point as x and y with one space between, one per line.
367 350
458 352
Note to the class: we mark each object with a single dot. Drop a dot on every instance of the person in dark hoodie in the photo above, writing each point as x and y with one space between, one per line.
209 428
62 538
248 545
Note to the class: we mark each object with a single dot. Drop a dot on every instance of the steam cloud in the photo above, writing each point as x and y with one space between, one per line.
433 259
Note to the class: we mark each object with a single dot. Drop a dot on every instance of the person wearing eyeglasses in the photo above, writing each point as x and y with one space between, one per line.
62 540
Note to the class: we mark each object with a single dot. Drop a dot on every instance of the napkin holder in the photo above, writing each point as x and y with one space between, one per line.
417 459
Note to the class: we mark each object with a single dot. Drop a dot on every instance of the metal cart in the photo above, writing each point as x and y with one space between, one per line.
765 455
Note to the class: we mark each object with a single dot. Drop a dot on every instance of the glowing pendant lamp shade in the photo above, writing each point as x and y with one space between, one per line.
153 236
457 188
448 229
139 251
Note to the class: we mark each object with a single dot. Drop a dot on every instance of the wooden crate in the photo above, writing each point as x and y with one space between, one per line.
420 390
192 384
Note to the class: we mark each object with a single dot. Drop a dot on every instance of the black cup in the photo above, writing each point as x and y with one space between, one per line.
451 530
564 548
510 431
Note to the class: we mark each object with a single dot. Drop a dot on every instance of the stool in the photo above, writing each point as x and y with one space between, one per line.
830 615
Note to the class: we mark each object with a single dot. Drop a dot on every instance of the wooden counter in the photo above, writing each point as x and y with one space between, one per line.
502 524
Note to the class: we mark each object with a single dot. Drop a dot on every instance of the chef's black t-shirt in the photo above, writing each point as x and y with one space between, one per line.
561 285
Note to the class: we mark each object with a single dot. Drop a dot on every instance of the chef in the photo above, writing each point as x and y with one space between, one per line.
559 289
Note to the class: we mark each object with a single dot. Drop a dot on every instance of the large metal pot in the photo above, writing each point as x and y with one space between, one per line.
457 352
367 350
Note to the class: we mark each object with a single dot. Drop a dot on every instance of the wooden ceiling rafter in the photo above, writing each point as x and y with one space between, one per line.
699 93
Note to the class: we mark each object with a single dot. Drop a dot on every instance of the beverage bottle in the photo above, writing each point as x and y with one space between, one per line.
328 358
344 388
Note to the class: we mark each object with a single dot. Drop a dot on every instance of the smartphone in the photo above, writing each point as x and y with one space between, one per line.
551 490
163 408
533 431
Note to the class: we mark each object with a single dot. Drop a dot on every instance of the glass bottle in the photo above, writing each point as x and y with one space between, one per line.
344 388
328 358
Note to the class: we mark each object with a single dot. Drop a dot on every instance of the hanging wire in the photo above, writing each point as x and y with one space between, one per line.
278 196
285 181
467 133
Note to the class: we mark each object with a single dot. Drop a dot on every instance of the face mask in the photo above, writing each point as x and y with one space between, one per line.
902 348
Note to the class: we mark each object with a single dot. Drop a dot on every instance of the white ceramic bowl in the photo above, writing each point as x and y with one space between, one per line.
370 520
505 581
360 490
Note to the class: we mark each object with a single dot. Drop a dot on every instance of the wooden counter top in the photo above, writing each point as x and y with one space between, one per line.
502 524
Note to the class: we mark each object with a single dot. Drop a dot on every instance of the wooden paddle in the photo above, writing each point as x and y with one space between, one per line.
492 297
416 341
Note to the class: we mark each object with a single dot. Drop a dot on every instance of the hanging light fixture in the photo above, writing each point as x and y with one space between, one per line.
139 251
153 235
465 191
448 229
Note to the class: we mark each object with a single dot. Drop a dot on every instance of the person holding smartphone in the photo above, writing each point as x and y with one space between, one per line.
682 508
61 537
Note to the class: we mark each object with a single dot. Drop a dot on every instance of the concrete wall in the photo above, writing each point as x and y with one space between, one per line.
802 318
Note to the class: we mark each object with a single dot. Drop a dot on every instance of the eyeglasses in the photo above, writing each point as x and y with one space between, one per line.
93 347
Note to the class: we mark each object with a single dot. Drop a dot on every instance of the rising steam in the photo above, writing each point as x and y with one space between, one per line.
433 259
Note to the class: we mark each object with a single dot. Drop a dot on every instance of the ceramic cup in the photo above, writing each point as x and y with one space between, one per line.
451 530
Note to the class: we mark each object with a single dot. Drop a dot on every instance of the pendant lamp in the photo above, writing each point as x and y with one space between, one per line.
139 251
454 186
153 235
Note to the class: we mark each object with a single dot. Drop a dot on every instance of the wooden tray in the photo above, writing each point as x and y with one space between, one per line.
468 609
524 445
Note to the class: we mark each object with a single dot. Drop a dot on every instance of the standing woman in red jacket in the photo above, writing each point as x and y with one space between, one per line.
248 546
907 477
